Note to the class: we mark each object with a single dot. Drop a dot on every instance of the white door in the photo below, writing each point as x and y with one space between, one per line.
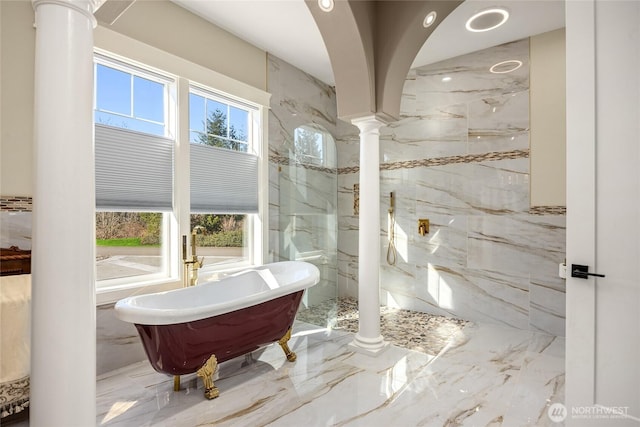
603 212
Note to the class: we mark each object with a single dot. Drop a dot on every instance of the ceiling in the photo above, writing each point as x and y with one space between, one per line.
286 29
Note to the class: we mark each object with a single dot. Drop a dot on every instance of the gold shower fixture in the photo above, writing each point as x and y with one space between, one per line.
423 226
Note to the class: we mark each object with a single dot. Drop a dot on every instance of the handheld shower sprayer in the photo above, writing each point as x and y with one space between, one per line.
391 250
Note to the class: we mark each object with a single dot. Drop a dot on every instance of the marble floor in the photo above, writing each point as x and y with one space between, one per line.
484 375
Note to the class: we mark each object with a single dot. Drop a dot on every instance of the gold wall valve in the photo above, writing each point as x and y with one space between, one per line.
423 226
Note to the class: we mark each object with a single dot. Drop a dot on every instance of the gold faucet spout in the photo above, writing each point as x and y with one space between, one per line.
191 266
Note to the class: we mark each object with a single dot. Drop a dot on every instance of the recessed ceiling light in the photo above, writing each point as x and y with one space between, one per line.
506 66
487 20
429 19
446 79
326 5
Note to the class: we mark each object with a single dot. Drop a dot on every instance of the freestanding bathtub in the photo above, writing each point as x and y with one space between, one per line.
192 329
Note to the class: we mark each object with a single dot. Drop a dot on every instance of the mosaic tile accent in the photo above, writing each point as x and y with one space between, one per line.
285 161
413 330
348 170
548 210
356 199
16 204
448 160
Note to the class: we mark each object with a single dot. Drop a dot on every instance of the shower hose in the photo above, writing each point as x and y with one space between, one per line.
391 250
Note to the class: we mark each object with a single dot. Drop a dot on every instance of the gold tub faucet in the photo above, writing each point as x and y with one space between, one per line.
192 265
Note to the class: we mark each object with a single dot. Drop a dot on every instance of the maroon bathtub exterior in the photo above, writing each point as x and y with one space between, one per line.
183 348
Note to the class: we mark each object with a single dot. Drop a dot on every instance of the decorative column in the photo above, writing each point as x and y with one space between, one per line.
368 338
63 328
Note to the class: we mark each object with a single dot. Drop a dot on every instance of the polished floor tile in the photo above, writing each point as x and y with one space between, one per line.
485 375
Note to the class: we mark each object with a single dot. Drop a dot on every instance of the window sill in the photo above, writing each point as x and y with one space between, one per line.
111 294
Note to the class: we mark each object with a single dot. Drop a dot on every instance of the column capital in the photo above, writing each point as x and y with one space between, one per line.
85 7
369 124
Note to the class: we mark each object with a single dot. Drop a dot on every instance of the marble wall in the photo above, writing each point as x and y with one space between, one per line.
459 156
302 196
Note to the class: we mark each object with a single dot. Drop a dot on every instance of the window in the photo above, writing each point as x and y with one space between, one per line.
134 172
222 240
222 157
218 123
311 147
130 98
128 244
151 189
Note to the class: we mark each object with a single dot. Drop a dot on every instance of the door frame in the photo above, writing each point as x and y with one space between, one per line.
598 40
581 202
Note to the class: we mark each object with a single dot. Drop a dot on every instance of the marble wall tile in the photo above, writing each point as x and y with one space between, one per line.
499 142
296 99
498 187
499 115
306 191
470 78
459 156
513 244
348 143
473 294
118 343
547 308
441 132
442 190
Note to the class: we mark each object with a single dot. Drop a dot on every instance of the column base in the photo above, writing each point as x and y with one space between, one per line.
368 346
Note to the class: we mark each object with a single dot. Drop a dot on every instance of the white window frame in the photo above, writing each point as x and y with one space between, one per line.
209 93
168 271
189 74
145 73
253 145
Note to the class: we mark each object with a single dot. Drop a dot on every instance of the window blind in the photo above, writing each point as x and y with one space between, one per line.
223 181
134 170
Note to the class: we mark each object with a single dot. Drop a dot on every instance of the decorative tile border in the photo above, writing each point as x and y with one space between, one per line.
356 199
16 204
348 170
548 210
285 161
441 161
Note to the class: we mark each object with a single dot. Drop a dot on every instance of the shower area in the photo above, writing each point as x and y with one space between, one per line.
307 180
303 181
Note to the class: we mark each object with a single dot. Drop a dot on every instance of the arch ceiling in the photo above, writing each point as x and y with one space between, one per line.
371 45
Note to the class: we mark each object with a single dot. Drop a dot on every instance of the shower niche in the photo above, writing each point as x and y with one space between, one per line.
308 209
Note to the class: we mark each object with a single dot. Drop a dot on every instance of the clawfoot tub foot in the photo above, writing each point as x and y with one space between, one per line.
291 356
206 373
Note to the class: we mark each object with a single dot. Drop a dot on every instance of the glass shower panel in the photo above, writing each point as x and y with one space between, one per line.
308 217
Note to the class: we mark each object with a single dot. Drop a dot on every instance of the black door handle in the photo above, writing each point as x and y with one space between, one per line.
582 271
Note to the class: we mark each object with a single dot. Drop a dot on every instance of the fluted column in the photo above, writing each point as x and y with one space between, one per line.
368 339
63 334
